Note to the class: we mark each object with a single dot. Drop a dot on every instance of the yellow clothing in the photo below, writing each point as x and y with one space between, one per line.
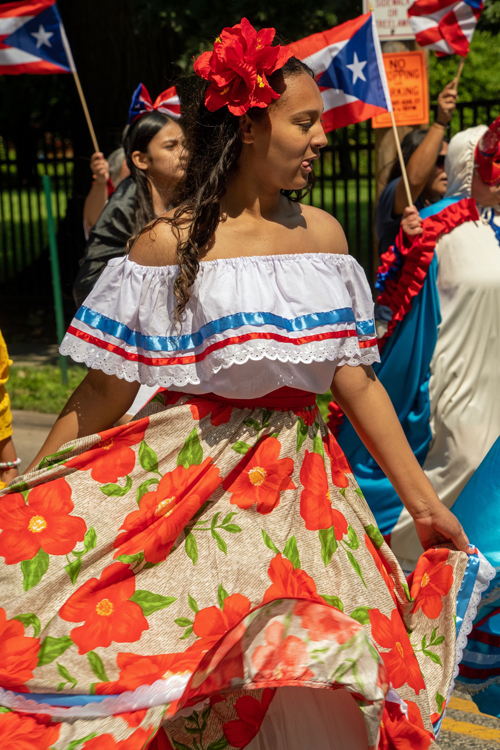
5 413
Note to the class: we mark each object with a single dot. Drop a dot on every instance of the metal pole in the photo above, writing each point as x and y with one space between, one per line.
56 278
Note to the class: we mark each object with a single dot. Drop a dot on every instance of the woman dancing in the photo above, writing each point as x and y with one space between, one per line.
209 575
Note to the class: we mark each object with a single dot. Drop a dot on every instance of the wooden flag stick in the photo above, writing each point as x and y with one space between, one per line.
79 86
459 71
401 161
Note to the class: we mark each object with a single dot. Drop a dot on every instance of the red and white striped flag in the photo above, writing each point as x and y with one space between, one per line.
445 26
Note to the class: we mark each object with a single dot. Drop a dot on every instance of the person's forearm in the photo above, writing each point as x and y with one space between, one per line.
367 405
419 167
98 402
95 202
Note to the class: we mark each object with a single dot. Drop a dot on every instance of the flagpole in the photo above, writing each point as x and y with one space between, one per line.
459 71
401 160
78 86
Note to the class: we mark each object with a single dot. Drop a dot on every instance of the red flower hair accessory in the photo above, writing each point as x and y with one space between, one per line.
238 68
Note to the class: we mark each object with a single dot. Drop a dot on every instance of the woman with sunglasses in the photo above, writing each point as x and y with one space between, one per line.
423 153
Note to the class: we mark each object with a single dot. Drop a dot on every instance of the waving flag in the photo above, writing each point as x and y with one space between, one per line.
349 69
32 39
445 26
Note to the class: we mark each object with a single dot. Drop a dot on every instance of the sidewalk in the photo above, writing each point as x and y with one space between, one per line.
30 430
24 355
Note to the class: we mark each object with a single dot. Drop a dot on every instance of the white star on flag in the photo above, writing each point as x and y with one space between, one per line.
42 37
357 69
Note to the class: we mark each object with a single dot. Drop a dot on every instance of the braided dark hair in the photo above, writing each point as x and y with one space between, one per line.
137 137
214 145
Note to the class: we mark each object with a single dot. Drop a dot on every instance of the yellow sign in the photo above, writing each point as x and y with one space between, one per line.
407 78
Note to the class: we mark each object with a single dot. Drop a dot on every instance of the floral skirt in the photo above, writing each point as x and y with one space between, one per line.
166 581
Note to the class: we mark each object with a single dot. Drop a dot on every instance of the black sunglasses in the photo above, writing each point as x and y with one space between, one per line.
440 161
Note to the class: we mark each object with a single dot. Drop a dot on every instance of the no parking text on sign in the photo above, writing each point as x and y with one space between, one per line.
407 79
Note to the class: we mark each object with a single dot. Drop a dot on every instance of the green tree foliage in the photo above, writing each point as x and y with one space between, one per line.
480 78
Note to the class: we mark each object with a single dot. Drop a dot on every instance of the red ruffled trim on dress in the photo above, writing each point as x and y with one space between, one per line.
399 293
418 253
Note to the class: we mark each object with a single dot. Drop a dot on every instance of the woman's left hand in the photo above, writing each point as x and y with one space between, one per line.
439 526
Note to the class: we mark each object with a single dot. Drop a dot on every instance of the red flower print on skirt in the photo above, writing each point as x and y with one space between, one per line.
26 732
383 568
260 477
402 733
220 412
113 456
211 623
103 605
401 663
160 741
338 462
18 655
136 741
251 713
43 522
315 503
164 512
430 582
137 670
325 623
282 658
289 582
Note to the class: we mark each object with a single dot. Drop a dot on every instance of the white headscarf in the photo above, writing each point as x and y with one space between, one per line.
459 162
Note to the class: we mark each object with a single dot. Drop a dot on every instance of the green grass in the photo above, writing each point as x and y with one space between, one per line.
41 388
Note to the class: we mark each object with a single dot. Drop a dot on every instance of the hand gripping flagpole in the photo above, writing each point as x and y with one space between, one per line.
378 50
78 85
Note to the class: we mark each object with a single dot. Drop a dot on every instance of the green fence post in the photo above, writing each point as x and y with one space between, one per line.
56 277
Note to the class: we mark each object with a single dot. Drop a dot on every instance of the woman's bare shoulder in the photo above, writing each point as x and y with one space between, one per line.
157 243
326 231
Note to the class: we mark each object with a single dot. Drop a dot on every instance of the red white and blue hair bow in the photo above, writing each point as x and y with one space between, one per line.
168 103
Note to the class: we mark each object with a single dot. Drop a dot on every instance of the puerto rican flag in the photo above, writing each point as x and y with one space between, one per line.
349 69
445 26
32 39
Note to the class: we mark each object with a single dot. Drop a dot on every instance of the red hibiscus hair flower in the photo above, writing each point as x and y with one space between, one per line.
383 568
103 605
315 503
281 659
430 582
164 512
239 66
324 623
220 412
338 462
401 663
137 670
251 713
18 655
398 731
18 730
43 522
289 582
136 741
113 456
260 477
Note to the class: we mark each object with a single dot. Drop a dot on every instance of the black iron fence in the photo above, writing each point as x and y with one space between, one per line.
345 186
23 214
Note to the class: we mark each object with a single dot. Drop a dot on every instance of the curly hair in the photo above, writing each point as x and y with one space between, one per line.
214 145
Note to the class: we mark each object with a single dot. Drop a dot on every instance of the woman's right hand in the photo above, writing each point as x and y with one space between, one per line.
437 525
